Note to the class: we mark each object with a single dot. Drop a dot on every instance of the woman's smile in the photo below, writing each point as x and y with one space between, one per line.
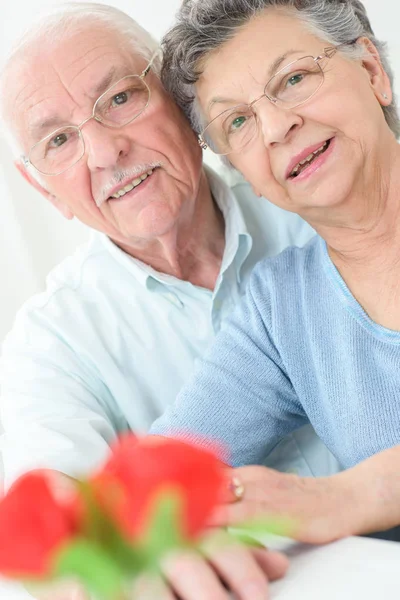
310 161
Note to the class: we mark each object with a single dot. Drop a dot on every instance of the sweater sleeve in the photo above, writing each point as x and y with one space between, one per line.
240 395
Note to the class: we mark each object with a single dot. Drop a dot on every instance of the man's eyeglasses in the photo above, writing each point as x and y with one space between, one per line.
291 86
121 104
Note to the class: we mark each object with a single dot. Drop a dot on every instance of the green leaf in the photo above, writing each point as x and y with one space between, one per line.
104 532
246 532
244 538
165 531
98 572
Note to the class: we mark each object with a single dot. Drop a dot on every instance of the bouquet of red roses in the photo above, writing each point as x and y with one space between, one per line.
148 499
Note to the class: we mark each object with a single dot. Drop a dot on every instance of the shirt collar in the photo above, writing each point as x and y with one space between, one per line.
238 240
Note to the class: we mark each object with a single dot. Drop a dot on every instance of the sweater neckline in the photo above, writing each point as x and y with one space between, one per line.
351 304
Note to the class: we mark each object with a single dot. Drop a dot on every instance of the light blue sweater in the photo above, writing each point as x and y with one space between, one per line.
299 348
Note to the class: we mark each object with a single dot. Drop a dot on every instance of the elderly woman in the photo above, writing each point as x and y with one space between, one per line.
297 95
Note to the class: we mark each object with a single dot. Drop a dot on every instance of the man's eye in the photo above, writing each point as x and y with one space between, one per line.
120 99
59 140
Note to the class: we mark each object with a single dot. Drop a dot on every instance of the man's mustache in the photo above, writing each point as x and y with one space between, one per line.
122 176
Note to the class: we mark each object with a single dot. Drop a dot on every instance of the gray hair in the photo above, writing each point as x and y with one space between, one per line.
204 25
68 19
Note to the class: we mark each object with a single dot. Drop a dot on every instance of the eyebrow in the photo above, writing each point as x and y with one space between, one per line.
274 67
53 122
37 128
105 83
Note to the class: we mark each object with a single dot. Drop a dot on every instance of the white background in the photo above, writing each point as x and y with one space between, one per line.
33 236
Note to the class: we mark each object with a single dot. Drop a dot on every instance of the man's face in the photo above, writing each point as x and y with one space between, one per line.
60 87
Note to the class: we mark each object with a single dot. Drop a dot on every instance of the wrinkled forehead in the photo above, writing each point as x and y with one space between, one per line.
242 65
55 81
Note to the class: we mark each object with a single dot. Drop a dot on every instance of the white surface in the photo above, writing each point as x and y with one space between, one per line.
10 591
352 569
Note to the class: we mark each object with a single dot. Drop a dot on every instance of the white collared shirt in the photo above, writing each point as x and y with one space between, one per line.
111 341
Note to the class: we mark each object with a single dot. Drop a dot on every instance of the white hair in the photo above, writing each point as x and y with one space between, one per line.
63 21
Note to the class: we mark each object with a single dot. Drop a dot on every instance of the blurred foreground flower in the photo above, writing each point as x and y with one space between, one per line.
150 498
34 527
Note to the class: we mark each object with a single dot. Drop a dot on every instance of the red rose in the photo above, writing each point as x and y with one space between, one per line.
33 527
140 470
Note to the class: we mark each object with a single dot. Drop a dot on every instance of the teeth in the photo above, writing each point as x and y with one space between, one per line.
133 184
309 157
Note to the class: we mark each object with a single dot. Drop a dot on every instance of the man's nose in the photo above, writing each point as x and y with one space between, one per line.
276 123
105 146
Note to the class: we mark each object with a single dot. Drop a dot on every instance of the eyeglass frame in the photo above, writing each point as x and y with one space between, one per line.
26 159
328 53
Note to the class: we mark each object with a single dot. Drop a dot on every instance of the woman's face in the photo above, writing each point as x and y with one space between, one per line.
343 121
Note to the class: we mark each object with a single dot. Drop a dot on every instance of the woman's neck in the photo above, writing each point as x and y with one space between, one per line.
364 244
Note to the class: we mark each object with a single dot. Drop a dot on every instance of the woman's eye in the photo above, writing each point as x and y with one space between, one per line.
238 122
295 79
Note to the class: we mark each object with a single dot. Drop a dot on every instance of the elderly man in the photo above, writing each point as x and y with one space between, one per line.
121 324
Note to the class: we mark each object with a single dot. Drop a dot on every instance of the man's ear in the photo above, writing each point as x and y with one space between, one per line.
60 206
379 79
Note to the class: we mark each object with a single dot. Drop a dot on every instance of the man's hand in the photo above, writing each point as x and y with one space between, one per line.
224 566
190 576
58 591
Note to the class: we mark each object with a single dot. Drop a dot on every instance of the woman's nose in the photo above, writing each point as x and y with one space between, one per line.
275 123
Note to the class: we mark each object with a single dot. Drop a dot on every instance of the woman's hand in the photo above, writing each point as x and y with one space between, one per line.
320 509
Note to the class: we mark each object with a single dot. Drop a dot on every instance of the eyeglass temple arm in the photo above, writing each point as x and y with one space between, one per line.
330 51
147 69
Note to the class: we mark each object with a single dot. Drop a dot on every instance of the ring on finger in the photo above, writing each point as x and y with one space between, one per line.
237 488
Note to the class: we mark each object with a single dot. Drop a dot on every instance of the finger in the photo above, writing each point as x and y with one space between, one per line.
249 479
235 489
233 514
58 591
238 567
273 564
227 492
192 578
62 486
147 587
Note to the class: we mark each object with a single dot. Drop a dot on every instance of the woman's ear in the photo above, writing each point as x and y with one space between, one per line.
59 205
378 78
